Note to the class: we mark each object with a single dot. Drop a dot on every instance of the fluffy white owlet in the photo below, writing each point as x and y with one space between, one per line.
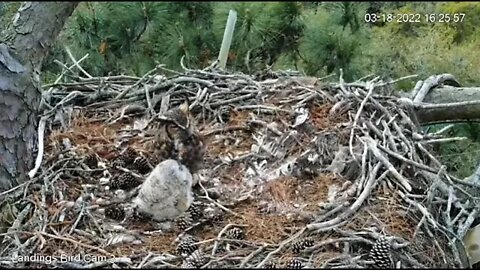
166 193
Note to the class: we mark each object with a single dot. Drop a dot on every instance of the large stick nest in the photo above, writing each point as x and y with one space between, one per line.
289 158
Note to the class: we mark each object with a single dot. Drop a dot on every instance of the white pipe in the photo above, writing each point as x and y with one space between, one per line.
227 38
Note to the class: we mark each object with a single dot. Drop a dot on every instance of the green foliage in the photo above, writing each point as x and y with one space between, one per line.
460 157
317 37
249 31
263 32
109 32
469 27
131 37
288 27
347 13
430 53
181 29
332 42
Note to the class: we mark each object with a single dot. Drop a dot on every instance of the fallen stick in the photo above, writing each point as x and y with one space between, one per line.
373 147
38 161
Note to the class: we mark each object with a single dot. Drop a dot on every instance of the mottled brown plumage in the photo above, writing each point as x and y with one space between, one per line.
162 146
191 150
178 138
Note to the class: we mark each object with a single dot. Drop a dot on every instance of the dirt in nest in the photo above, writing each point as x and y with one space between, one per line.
320 117
232 175
90 137
237 143
57 247
308 191
259 227
237 118
281 189
385 209
388 212
87 135
161 243
316 189
269 228
273 227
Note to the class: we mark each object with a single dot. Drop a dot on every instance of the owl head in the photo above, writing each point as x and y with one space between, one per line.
181 131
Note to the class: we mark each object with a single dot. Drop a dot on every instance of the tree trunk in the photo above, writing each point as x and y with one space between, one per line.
29 38
449 104
448 94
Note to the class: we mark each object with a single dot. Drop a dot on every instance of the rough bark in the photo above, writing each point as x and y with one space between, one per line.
447 94
29 38
448 112
448 103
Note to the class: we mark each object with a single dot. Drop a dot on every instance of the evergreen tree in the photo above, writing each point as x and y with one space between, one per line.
263 32
329 44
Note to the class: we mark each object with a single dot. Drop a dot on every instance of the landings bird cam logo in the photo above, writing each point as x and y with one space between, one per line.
49 259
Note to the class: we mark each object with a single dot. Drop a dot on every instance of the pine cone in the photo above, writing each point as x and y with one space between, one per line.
235 233
129 155
187 265
302 244
141 165
125 181
91 161
119 162
294 264
196 259
195 212
269 265
115 212
186 246
380 254
184 221
216 219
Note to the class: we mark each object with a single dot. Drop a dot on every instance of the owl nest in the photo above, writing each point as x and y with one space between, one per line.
298 173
